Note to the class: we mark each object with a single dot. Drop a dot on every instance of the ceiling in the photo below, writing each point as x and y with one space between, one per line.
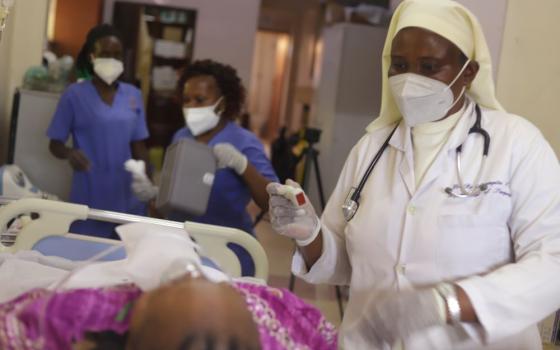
298 5
382 3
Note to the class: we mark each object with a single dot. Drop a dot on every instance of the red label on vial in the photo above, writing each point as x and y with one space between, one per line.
300 197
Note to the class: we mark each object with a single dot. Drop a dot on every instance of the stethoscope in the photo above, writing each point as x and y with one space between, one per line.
352 202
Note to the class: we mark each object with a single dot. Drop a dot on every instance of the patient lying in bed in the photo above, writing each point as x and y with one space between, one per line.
168 301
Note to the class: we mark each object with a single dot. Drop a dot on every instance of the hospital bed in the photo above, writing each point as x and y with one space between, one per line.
49 231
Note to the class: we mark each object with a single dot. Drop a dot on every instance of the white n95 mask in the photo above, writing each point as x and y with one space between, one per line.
108 69
421 99
201 119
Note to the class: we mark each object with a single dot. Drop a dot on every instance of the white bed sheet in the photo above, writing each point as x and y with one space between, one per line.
151 251
26 270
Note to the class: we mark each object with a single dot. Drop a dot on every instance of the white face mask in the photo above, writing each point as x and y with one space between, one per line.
202 119
421 99
108 69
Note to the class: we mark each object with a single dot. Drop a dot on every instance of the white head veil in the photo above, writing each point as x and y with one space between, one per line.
455 23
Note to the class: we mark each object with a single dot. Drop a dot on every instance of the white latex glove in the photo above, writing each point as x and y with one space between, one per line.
289 219
137 168
141 186
229 157
145 191
398 316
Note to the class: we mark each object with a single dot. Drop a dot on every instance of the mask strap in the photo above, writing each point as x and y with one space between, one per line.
216 104
213 107
458 98
453 82
459 74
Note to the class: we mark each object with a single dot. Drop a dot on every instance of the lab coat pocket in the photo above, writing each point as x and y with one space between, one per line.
470 244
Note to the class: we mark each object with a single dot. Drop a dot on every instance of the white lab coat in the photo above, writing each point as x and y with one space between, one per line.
502 248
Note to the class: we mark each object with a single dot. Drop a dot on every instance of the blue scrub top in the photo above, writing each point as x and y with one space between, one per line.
104 134
230 196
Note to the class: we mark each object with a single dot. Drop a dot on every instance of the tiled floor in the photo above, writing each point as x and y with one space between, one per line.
279 250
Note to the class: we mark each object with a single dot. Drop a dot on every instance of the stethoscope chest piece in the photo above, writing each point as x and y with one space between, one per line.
352 202
350 206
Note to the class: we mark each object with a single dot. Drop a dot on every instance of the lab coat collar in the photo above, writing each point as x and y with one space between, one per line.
457 137
402 139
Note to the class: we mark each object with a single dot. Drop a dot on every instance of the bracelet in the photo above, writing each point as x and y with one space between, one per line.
448 293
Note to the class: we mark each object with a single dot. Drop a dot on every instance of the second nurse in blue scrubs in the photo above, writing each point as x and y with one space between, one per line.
107 123
212 99
213 96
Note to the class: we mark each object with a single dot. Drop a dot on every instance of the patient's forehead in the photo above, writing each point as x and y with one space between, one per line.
192 309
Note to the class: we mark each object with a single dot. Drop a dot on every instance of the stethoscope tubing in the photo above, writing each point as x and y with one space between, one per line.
356 195
475 129
477 188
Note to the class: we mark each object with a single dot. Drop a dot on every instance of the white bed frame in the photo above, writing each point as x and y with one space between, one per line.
55 219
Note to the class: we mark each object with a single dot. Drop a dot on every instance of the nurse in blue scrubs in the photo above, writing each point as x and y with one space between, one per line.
106 121
213 96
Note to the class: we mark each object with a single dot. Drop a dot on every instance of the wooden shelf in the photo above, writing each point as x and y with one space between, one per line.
163 110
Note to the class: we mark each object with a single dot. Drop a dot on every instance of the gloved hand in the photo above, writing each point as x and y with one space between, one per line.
78 160
141 186
290 220
397 316
145 191
229 157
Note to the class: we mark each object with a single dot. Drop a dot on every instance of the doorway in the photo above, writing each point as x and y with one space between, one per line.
269 82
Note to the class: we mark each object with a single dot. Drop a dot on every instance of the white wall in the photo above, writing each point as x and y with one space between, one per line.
225 29
5 45
530 65
348 95
21 47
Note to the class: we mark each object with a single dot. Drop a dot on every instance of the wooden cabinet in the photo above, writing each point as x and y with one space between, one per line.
72 21
159 43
